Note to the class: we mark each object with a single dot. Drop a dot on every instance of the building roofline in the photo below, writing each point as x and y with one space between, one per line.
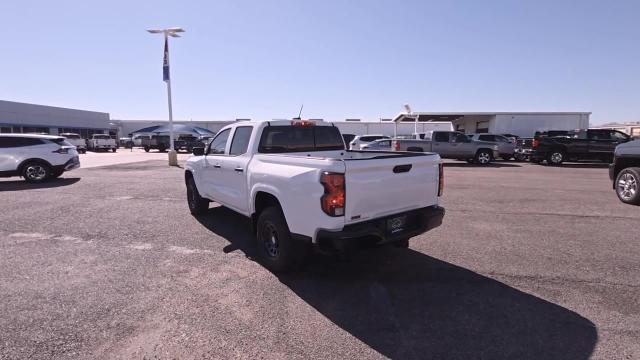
398 117
53 107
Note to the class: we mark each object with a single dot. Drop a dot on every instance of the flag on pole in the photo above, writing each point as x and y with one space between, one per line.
165 61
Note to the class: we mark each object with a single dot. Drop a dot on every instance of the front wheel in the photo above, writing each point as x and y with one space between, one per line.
113 149
278 252
628 186
146 148
36 172
483 157
197 204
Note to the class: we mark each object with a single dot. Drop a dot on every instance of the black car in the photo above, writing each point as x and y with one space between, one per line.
592 144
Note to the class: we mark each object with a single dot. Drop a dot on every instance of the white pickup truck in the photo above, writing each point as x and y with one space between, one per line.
299 185
99 142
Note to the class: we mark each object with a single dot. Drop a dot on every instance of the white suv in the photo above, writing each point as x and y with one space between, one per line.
361 140
36 158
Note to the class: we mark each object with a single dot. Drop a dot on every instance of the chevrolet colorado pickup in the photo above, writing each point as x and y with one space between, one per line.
451 145
299 185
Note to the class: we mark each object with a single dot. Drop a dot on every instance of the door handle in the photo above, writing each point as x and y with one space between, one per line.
239 169
217 166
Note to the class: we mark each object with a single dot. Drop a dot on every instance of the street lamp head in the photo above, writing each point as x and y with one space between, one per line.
175 29
154 31
173 34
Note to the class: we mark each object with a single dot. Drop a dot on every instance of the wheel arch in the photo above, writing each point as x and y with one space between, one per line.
37 160
261 200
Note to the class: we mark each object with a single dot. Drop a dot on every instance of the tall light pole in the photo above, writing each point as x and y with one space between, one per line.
173 157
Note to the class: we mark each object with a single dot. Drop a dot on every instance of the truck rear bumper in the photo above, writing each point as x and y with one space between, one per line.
390 228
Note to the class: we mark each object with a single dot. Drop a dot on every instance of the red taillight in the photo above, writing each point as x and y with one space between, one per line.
332 201
440 179
535 143
396 145
302 123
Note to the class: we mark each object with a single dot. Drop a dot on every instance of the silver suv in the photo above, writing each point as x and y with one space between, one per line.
506 146
36 158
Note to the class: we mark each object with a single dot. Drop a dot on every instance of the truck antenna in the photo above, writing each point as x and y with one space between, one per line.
300 113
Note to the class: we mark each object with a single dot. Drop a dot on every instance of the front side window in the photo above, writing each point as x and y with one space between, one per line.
240 141
219 143
618 136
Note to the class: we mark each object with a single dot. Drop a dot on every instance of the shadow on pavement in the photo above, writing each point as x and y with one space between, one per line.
405 304
18 185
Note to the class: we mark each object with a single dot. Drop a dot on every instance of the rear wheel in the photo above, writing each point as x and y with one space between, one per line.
113 149
146 148
483 157
628 186
161 148
555 157
36 172
197 204
278 252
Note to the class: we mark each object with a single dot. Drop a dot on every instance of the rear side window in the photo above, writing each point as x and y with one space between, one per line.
14 142
240 140
60 141
487 138
371 138
283 139
441 137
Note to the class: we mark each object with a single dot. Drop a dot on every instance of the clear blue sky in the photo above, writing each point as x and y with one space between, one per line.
362 59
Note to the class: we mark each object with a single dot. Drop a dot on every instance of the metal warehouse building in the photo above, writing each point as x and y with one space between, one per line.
518 123
18 117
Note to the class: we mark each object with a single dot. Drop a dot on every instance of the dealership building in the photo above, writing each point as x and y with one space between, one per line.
30 118
18 117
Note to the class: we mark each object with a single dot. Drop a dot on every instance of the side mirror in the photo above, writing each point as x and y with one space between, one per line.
198 151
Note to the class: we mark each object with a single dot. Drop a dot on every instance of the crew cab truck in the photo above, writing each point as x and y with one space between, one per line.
591 144
451 145
99 142
161 143
624 171
77 141
300 186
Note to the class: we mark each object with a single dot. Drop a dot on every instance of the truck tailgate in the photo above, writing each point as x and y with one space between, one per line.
383 186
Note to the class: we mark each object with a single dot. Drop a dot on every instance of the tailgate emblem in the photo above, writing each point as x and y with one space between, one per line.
396 223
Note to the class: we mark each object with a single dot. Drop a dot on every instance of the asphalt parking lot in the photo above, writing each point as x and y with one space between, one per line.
531 262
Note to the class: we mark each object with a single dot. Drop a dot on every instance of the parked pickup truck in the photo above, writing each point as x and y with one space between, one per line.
161 143
99 142
625 172
592 144
451 145
299 186
77 141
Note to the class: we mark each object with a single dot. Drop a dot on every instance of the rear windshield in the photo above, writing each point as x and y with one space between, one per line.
284 139
101 137
72 136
